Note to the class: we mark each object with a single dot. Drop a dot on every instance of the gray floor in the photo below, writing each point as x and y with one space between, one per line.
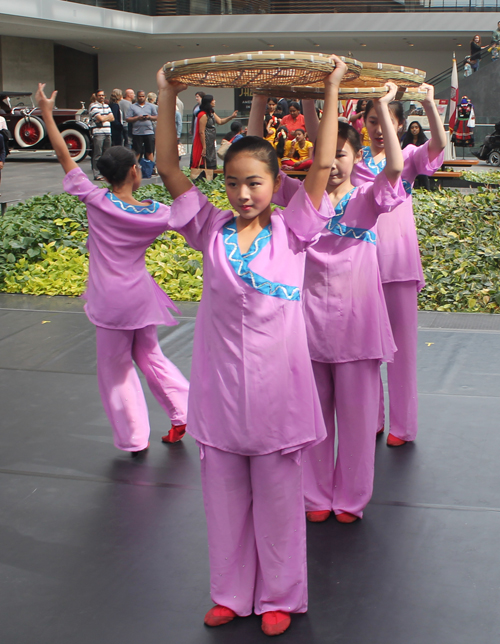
95 547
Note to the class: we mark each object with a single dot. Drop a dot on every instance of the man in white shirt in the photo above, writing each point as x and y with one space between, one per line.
101 134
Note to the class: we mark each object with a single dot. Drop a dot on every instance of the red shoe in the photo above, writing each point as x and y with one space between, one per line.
275 622
346 517
175 434
394 441
380 431
318 516
219 615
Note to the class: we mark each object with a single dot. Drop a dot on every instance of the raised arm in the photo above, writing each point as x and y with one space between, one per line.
46 105
311 119
438 136
326 141
257 113
394 157
220 121
167 155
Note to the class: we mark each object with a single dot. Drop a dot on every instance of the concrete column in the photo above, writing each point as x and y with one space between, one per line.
25 62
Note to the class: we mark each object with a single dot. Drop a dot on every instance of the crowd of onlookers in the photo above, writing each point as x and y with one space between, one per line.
476 48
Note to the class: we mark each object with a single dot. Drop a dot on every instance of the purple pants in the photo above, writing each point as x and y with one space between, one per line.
401 300
256 531
120 387
349 390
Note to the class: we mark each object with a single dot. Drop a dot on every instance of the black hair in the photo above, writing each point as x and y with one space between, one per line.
273 99
115 164
200 94
348 133
206 104
256 147
359 105
397 109
295 105
236 126
408 137
282 136
299 129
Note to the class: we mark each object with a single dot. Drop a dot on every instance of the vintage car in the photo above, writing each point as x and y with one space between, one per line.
27 129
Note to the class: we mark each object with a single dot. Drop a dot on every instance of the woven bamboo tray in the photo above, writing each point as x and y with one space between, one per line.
257 69
377 74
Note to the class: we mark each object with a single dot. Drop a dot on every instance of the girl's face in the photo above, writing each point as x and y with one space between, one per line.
249 185
271 107
198 98
375 130
299 136
213 103
476 38
414 129
363 105
343 164
293 111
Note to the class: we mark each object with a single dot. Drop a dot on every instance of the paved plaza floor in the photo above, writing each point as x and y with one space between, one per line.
97 548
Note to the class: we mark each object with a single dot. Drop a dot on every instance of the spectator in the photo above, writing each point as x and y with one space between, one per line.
117 124
178 128
204 154
294 120
198 96
101 134
152 98
475 52
125 105
298 152
142 115
282 108
415 136
180 106
271 118
467 67
495 43
236 132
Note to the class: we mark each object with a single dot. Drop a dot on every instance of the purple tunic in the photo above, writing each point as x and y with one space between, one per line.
397 244
344 305
121 294
252 389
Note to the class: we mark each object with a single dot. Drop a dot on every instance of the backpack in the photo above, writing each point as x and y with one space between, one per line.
147 168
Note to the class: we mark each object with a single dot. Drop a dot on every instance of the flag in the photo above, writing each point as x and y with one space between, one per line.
453 95
349 107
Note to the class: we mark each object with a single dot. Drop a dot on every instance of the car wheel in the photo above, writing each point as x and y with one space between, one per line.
29 131
494 157
78 144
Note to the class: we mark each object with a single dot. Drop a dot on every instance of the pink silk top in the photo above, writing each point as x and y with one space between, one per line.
344 304
120 293
252 389
397 247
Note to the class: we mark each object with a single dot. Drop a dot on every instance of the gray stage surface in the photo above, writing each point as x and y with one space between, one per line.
97 548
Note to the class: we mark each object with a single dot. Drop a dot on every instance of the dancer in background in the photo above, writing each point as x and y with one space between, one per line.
253 404
123 301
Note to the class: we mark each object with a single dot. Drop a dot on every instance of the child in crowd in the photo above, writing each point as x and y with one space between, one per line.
299 152
347 324
253 405
280 143
399 259
123 300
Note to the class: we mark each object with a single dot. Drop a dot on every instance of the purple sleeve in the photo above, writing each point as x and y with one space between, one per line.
418 162
385 197
77 183
302 217
288 187
192 215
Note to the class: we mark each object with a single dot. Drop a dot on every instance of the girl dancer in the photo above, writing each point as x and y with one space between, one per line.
123 300
399 260
347 325
253 403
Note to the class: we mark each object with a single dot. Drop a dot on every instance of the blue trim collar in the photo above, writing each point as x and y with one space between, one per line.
375 168
136 210
337 228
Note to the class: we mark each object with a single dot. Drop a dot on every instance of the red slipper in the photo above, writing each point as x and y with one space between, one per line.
219 615
380 431
318 516
175 434
394 441
346 517
275 622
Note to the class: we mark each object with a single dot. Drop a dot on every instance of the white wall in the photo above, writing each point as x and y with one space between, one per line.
26 62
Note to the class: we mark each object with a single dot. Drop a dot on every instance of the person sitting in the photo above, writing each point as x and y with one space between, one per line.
299 152
294 120
236 132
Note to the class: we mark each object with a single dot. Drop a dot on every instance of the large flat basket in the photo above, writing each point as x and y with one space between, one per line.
345 93
377 74
257 69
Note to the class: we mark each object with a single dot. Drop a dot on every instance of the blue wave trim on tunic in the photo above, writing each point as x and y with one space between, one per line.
375 168
406 186
335 227
128 207
240 263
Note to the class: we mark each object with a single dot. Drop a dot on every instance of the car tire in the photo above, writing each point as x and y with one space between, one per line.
29 131
78 143
494 157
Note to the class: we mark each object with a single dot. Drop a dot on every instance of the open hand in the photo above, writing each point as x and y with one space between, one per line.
44 103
